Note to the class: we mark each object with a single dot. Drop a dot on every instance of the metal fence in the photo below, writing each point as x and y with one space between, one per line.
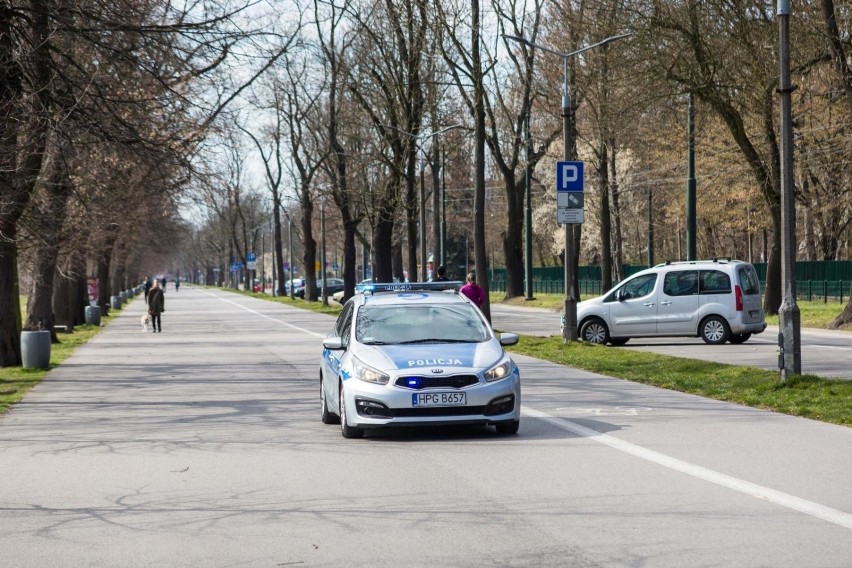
826 280
825 290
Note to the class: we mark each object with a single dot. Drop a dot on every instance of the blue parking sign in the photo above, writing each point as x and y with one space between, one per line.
569 176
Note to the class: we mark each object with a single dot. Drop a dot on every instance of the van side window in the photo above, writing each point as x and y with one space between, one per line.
638 287
682 283
714 282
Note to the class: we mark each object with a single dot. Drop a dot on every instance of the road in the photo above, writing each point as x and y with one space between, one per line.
824 353
202 446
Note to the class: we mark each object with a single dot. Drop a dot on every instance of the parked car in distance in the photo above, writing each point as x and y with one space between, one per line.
332 285
716 300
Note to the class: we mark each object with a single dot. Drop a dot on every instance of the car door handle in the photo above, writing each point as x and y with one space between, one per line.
665 303
649 304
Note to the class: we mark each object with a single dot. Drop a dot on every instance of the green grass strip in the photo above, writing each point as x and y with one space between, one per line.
808 396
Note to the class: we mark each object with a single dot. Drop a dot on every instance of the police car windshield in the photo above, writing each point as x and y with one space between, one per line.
450 323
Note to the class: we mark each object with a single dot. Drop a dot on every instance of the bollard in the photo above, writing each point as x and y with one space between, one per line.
93 315
115 302
35 349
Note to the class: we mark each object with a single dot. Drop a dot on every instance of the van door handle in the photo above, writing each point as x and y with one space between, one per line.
649 304
665 303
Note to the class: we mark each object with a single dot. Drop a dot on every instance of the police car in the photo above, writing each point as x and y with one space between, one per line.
418 354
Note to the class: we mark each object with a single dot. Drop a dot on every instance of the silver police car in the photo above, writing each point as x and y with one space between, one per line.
406 354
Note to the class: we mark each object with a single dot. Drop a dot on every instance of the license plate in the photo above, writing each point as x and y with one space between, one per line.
438 399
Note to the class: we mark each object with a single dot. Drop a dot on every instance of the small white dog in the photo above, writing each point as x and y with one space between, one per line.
146 319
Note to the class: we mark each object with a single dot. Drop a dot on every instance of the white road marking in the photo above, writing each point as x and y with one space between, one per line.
834 516
284 323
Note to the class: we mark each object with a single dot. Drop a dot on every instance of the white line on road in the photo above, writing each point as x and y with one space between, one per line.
835 516
284 323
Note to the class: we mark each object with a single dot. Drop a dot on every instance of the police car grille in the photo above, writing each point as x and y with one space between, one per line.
437 411
451 382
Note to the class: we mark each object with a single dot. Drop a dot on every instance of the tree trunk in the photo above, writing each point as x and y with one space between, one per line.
606 222
617 241
104 263
513 238
309 256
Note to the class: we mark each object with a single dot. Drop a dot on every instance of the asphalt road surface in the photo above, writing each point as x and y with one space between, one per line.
824 353
202 446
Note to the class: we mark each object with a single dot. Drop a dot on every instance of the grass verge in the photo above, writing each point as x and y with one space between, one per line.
808 396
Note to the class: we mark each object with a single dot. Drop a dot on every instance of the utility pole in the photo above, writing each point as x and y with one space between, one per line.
789 340
690 180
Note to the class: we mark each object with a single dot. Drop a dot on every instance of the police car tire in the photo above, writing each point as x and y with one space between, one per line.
345 429
327 417
507 428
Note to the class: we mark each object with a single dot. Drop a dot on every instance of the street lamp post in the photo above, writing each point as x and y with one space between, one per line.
569 330
789 318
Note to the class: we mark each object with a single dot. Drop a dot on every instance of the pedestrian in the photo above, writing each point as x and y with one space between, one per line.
156 306
177 284
473 291
442 275
163 283
147 287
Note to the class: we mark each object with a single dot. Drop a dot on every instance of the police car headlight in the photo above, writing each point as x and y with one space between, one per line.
368 374
501 371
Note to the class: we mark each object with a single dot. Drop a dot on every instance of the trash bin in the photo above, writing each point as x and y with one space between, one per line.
93 315
35 349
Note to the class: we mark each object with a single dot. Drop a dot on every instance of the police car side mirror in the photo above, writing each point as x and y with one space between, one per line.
508 339
333 343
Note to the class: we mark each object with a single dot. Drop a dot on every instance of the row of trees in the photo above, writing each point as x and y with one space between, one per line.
117 116
103 105
380 96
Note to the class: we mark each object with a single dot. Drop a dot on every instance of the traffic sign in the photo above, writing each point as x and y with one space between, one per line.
566 216
251 257
569 176
570 199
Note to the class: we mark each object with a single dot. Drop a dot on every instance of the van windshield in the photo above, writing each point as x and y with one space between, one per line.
748 280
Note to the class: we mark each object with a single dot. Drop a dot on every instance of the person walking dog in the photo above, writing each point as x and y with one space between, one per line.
156 306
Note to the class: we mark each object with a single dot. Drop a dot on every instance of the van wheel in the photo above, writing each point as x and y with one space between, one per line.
619 342
594 331
738 338
714 330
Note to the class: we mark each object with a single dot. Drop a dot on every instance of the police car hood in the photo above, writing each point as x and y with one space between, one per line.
431 355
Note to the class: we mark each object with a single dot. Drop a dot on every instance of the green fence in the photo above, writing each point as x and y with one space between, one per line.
815 280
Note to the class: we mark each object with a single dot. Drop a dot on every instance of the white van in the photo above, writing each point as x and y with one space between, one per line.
717 300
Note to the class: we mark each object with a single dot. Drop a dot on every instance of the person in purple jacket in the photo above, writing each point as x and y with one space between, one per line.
473 291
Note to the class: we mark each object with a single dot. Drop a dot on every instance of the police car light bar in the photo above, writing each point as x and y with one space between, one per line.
377 287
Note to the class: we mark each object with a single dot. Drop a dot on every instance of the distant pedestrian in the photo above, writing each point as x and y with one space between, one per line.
156 306
442 275
473 291
163 283
177 284
147 287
